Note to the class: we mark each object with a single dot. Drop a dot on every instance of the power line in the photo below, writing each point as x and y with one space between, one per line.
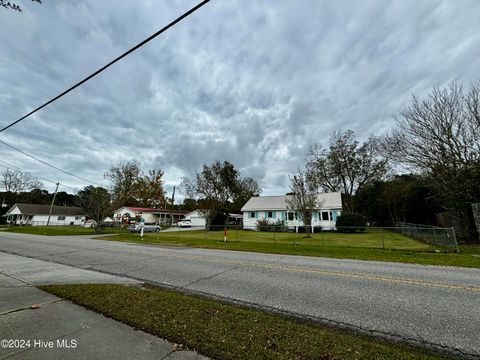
50 165
10 166
13 167
25 172
151 37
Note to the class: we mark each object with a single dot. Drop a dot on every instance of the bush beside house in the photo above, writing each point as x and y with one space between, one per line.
350 223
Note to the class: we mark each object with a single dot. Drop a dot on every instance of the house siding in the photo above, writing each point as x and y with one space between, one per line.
41 220
197 219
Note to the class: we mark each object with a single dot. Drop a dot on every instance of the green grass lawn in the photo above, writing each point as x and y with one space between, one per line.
225 331
365 246
372 238
61 230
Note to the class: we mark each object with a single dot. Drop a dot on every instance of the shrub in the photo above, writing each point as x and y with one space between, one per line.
218 220
350 223
265 225
262 225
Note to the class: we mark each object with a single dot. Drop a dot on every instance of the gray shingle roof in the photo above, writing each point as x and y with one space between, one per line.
328 200
35 209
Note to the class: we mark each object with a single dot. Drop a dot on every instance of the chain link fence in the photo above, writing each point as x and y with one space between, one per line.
404 236
415 238
69 228
432 235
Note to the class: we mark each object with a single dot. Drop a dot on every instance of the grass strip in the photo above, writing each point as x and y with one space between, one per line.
61 230
468 257
226 331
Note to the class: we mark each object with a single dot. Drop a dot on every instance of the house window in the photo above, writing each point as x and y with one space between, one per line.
291 216
270 214
252 214
61 218
327 216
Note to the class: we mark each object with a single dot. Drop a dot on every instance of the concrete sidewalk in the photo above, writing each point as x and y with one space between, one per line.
58 329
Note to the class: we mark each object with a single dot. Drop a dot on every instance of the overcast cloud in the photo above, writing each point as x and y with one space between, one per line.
254 83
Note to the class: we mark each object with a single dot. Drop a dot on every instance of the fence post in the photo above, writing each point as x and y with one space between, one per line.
455 240
435 237
321 232
383 241
274 235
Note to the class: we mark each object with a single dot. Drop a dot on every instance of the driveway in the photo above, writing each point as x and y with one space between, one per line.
430 305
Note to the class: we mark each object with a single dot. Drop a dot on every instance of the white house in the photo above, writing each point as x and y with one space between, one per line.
198 219
151 215
37 215
274 208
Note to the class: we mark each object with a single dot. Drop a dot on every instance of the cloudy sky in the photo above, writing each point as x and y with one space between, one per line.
254 83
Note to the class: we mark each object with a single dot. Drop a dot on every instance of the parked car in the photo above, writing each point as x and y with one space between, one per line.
147 227
184 223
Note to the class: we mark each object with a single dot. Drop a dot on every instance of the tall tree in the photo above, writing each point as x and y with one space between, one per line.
131 187
18 181
245 189
96 202
401 198
217 186
438 136
304 198
65 199
189 204
346 165
124 178
148 189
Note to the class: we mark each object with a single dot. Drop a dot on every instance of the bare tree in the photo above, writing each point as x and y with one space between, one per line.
439 136
346 165
17 181
304 198
13 6
441 132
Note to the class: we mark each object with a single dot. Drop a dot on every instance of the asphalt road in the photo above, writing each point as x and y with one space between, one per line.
436 305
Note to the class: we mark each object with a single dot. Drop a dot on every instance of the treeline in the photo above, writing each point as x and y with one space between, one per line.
35 196
217 190
426 171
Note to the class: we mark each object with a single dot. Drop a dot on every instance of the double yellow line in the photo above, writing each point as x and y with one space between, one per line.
347 274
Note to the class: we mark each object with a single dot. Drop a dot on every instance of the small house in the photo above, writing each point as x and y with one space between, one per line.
197 218
37 215
275 210
151 215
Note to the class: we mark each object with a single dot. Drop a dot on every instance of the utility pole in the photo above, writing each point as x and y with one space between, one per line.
51 205
171 208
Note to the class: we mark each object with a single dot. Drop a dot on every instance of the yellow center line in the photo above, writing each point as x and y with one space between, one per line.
388 279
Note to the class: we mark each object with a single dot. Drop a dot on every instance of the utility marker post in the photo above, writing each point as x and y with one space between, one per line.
383 241
225 234
142 225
